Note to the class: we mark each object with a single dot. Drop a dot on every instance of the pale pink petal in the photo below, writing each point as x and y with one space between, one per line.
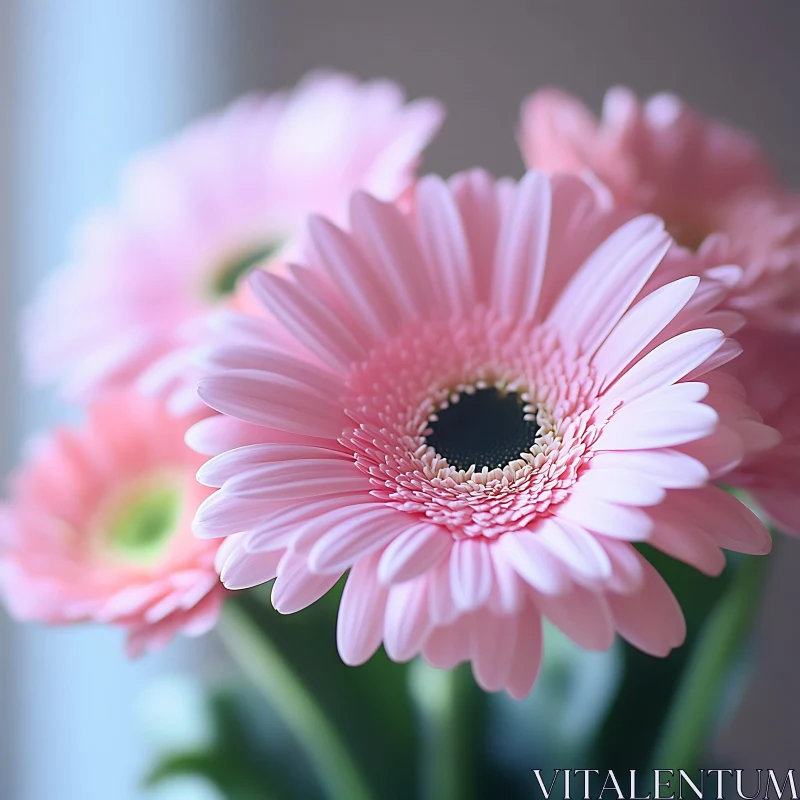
273 401
640 325
354 538
650 619
659 424
610 519
312 323
668 363
444 243
581 614
416 550
522 248
671 469
532 561
605 286
407 622
527 655
355 278
359 626
470 573
227 465
619 485
493 643
296 587
293 480
386 237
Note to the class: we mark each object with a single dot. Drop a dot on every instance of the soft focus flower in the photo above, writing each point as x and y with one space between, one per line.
719 196
475 407
768 365
200 211
703 177
99 528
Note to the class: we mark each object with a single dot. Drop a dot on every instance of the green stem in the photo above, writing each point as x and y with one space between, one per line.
694 709
261 662
446 701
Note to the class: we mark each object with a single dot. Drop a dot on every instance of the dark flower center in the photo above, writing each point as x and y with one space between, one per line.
486 428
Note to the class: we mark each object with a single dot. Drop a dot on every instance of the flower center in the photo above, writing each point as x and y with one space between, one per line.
484 427
143 522
225 278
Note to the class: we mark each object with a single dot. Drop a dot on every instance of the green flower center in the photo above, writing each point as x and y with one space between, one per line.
143 523
226 278
486 428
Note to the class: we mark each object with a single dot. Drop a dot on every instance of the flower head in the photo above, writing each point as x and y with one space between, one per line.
99 528
708 181
773 389
198 212
475 406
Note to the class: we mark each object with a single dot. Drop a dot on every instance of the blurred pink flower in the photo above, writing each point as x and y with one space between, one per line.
199 211
99 528
700 175
768 366
475 406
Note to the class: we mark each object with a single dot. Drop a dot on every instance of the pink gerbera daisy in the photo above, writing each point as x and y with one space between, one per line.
475 407
703 177
719 195
200 211
767 367
99 528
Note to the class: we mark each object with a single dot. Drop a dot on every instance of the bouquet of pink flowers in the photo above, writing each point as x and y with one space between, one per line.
466 417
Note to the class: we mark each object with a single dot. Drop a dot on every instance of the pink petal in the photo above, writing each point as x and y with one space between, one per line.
627 573
652 426
448 646
217 433
407 622
575 547
444 243
528 654
650 619
610 519
602 290
293 480
640 325
668 468
677 536
666 364
508 592
532 561
242 570
493 643
356 279
470 573
354 537
416 550
221 515
582 615
386 239
479 207
441 607
522 248
273 401
227 465
296 587
619 486
310 320
726 520
359 626
295 522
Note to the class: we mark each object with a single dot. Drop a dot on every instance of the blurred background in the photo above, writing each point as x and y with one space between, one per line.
86 84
